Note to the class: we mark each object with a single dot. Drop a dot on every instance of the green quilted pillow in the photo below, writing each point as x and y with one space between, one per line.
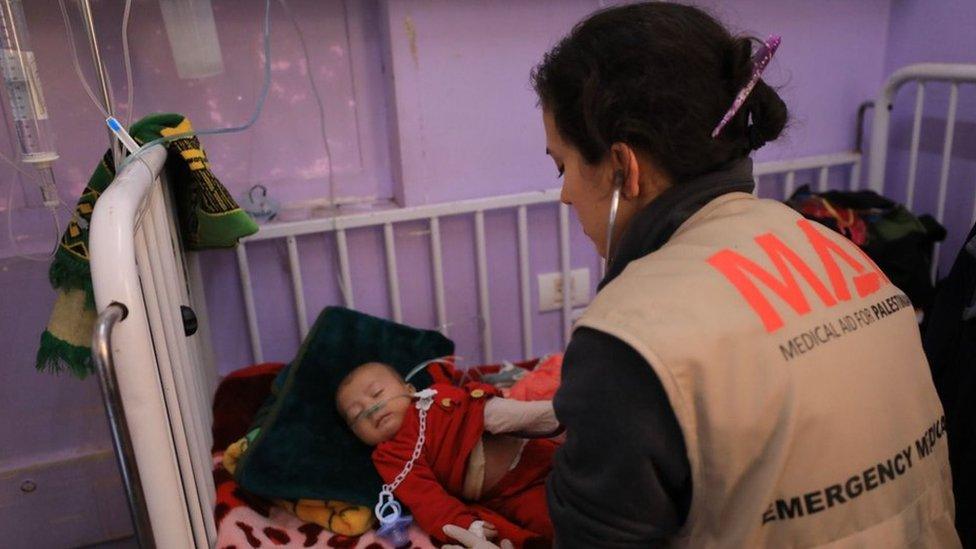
303 448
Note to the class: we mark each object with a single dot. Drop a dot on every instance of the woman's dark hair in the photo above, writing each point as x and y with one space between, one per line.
659 77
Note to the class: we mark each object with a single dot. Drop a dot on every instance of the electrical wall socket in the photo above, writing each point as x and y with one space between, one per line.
551 289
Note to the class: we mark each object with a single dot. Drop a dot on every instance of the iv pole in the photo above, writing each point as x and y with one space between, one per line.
89 22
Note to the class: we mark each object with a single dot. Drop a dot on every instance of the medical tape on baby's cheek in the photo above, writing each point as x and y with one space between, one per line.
368 412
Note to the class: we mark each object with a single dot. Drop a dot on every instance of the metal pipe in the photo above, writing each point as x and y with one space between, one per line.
776 167
155 256
822 179
916 137
249 310
524 288
298 289
344 268
437 265
484 304
862 110
944 175
105 367
855 182
392 278
942 72
789 185
89 22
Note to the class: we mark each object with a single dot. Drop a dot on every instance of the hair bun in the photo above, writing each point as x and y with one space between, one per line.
659 77
769 114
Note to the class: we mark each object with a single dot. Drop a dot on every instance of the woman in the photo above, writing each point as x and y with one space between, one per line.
743 377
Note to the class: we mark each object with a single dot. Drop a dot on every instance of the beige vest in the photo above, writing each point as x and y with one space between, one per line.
796 372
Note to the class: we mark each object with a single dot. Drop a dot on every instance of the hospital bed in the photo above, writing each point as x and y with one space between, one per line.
152 341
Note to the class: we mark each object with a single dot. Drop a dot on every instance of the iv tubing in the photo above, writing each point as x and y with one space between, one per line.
233 129
128 62
10 231
315 92
74 59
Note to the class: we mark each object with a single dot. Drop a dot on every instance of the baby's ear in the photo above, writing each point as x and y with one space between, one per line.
411 388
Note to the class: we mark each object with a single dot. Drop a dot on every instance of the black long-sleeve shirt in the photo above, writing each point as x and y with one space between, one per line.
622 478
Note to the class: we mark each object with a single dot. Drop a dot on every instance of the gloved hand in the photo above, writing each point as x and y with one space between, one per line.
471 540
482 529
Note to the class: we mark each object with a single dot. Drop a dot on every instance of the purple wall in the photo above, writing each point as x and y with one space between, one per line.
467 121
932 31
467 125
927 32
425 102
54 430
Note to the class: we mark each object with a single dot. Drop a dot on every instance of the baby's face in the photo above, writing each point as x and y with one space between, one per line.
373 400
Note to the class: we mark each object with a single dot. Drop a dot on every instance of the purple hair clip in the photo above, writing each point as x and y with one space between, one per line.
759 62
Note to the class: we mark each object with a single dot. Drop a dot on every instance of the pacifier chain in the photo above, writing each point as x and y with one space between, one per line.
393 525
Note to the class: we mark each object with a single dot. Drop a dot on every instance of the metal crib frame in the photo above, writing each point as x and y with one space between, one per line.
166 378
431 214
954 73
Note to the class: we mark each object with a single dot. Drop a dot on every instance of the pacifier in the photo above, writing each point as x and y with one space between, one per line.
394 527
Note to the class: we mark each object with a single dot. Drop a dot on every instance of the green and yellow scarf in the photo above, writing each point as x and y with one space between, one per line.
208 216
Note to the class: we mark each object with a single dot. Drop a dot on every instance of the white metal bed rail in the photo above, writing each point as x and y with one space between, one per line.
783 172
163 375
955 75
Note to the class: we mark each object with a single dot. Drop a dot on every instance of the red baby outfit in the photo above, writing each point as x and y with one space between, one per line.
516 506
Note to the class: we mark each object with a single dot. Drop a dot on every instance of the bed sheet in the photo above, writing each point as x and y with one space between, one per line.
244 520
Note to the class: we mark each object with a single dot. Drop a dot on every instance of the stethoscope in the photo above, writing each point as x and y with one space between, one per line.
618 183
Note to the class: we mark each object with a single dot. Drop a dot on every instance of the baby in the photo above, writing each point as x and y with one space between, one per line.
470 473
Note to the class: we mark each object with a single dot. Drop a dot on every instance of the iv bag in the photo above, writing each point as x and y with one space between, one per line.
22 86
192 37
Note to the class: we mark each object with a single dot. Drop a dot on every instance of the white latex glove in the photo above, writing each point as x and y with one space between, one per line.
470 540
482 529
532 418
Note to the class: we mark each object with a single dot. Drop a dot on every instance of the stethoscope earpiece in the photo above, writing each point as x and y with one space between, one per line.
618 183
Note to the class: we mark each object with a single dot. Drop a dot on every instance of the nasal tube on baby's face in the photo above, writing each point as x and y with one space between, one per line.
368 412
379 406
